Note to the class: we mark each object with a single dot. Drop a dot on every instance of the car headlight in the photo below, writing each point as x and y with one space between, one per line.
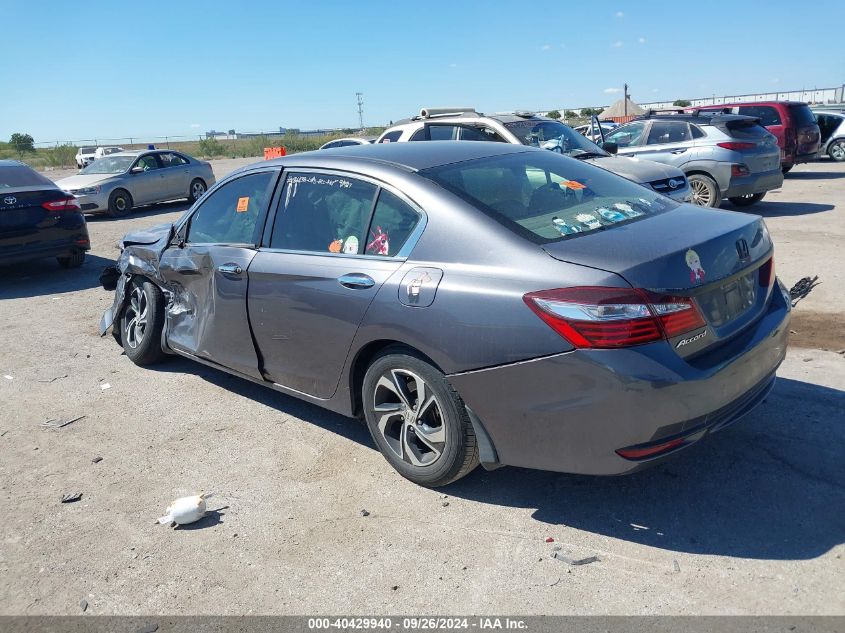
85 191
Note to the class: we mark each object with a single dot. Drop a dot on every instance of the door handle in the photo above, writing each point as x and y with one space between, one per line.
356 280
679 151
230 269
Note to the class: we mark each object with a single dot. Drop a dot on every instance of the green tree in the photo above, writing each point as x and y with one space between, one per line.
569 114
681 103
211 147
554 114
21 143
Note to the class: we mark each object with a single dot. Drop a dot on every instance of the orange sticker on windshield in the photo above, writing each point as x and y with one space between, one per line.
243 203
573 184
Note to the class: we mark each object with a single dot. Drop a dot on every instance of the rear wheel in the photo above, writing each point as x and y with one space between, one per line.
196 190
417 420
74 260
786 167
837 150
747 201
705 191
142 322
120 203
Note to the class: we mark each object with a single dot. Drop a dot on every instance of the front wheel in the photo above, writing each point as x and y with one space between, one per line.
747 201
142 322
120 203
196 191
705 191
417 420
837 150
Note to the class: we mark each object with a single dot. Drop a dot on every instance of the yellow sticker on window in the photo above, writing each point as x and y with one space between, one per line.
243 204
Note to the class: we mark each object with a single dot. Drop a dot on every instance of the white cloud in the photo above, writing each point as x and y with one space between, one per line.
641 40
195 125
547 47
618 44
620 14
610 91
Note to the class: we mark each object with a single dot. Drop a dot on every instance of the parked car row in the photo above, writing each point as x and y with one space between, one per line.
87 155
525 128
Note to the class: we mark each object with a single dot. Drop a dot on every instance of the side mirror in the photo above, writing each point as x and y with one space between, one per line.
136 170
610 147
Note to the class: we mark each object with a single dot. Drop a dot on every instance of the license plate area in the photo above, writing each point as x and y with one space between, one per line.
730 300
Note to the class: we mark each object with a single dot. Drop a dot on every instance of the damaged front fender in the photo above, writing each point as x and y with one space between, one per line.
140 255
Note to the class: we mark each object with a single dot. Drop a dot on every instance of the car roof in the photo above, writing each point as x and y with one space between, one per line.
702 118
407 156
8 162
502 117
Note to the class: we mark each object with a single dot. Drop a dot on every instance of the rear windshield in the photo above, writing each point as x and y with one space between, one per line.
13 177
802 115
546 197
87 150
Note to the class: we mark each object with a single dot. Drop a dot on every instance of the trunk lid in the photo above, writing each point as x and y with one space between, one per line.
715 257
765 155
21 211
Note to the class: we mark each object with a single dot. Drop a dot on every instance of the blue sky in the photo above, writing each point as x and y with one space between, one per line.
80 70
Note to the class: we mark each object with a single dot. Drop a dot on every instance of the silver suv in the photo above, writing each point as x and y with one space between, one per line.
723 155
526 128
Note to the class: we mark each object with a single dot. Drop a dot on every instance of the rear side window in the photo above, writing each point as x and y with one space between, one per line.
392 224
229 214
323 213
767 114
480 134
15 176
442 132
172 160
802 115
391 137
546 197
419 135
696 131
668 132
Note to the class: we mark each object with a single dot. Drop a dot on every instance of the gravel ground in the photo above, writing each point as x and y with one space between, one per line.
748 522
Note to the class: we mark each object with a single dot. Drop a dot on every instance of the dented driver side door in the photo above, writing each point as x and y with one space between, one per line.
206 271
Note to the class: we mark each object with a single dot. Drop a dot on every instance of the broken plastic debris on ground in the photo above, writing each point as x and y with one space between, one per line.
186 510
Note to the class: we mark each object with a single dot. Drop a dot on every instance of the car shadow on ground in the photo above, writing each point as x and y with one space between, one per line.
45 277
770 487
771 209
151 210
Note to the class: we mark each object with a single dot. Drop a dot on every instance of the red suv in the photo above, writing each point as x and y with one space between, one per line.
792 122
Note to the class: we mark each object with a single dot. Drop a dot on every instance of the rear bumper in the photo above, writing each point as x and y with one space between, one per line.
57 241
754 183
571 412
807 157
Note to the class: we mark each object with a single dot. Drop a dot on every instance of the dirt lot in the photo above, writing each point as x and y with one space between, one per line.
748 522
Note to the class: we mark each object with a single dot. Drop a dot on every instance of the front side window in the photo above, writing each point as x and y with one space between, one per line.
469 133
229 214
546 197
146 163
442 132
323 213
627 135
392 224
668 132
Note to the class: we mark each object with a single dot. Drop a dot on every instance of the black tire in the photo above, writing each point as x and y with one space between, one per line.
196 190
442 414
837 150
705 191
120 203
74 260
786 167
747 201
142 343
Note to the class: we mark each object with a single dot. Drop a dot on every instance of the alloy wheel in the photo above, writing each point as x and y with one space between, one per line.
136 318
701 194
837 151
197 190
409 417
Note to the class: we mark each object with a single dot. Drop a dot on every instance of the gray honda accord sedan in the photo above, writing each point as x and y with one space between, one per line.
473 302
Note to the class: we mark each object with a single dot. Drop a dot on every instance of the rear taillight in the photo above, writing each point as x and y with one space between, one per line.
736 145
64 204
767 273
643 452
600 317
739 170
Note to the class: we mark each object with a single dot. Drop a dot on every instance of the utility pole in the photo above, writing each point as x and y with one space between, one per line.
625 98
360 96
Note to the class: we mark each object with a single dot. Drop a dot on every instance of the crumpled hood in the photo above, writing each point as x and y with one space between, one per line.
149 235
636 169
82 180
